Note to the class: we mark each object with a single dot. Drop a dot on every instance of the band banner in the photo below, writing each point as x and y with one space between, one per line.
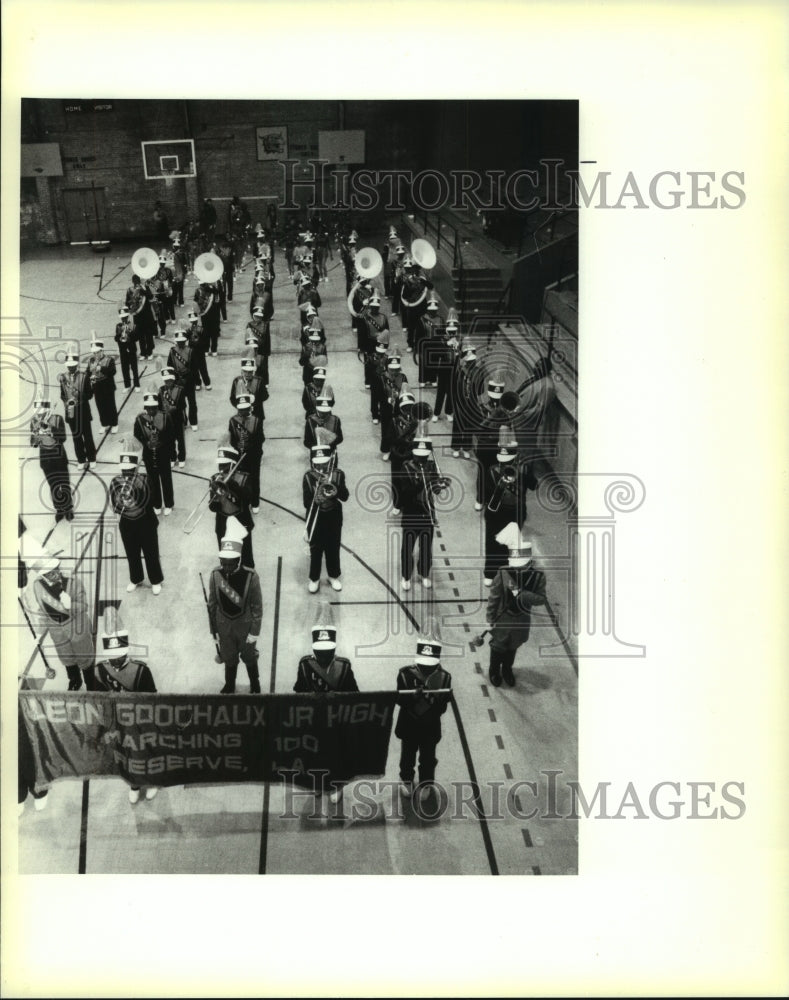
162 740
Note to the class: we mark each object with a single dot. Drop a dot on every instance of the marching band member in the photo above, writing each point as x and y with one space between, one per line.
59 603
323 418
154 430
132 501
322 249
48 434
445 359
101 371
418 484
227 255
250 385
126 339
324 491
313 349
399 440
398 273
229 497
324 671
314 321
162 287
119 672
207 308
491 414
428 340
393 382
308 296
465 378
182 361
418 725
259 328
312 390
172 402
360 293
139 302
247 437
200 343
76 392
507 481
413 293
378 362
235 611
180 268
516 589
262 296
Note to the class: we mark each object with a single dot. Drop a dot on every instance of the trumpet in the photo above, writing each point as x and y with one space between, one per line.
324 490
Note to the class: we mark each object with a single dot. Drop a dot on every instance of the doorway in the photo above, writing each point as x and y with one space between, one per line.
86 214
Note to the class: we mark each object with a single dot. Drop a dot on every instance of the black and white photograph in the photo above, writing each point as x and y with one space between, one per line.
378 404
321 419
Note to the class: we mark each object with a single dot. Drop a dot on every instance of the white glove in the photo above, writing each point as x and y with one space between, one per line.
65 600
252 640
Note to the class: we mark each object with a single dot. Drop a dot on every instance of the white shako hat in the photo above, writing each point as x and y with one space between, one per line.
96 343
432 302
428 643
519 549
423 444
407 399
321 453
324 631
225 452
231 544
180 337
324 401
150 399
508 445
44 563
311 310
258 312
453 323
129 456
243 401
496 385
248 361
72 353
123 312
374 300
168 373
192 316
468 351
114 636
318 373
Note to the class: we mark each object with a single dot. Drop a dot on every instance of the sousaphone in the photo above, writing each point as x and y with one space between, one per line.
423 254
145 263
368 262
208 268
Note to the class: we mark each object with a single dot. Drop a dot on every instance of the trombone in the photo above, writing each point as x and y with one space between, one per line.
327 491
506 480
192 521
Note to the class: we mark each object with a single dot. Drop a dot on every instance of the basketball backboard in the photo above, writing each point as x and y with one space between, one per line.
169 158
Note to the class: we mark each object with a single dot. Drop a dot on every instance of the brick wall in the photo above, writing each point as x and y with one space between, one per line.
105 149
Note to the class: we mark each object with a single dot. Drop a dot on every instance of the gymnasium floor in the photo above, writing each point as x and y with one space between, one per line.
497 737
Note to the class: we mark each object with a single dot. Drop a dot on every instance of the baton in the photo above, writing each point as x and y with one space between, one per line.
217 658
